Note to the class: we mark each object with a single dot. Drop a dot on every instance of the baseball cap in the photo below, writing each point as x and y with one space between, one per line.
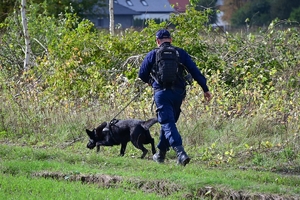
163 33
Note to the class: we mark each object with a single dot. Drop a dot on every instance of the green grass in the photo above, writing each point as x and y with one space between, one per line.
24 187
20 167
244 156
243 142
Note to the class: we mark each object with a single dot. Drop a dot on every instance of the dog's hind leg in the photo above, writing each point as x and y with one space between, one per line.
138 138
139 143
149 140
145 151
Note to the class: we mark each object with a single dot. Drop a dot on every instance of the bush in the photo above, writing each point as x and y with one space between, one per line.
80 75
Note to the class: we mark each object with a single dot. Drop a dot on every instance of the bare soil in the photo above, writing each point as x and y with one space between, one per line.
162 188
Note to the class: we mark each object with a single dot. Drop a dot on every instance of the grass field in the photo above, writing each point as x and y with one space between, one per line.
78 173
244 143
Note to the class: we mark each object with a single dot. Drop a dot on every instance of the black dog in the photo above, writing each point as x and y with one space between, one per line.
121 132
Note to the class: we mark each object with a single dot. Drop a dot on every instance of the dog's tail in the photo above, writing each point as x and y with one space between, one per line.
150 122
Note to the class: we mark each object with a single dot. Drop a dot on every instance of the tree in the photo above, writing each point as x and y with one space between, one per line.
295 15
6 7
259 12
282 9
54 7
256 11
111 17
229 7
26 35
208 4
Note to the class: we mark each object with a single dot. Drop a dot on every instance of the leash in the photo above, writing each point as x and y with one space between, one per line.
136 96
113 121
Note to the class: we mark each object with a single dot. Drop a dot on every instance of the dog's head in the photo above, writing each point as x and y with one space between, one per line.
95 136
92 138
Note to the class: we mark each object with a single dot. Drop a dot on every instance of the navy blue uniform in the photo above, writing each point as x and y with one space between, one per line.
168 101
185 59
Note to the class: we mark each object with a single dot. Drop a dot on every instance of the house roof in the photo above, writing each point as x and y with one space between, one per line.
118 10
179 5
153 6
122 10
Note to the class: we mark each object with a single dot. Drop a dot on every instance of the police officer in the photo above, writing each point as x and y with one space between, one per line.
168 100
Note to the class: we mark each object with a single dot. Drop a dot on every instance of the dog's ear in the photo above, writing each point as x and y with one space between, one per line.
100 128
89 133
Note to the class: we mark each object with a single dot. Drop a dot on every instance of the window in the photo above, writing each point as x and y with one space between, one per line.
144 2
129 2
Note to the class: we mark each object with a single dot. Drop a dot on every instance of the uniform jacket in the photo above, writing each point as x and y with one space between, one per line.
184 58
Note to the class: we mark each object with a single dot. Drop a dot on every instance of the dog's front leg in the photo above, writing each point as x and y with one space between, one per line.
98 148
123 148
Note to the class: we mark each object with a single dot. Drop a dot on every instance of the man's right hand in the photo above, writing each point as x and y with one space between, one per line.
207 96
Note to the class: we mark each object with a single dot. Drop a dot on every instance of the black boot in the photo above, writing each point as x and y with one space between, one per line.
182 157
159 156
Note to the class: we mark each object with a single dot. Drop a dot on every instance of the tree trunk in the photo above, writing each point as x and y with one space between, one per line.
111 17
26 36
